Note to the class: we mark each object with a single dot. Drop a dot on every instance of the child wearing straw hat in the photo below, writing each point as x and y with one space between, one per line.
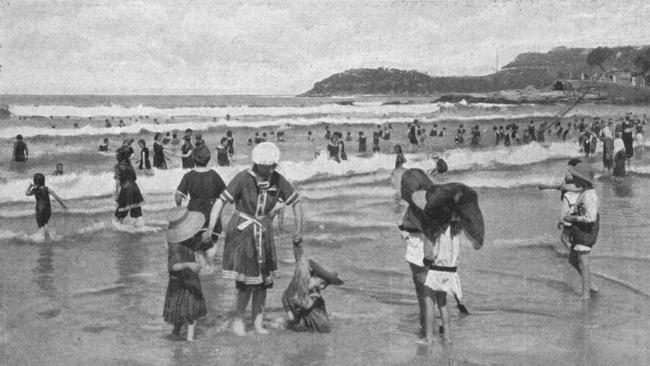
585 224
184 302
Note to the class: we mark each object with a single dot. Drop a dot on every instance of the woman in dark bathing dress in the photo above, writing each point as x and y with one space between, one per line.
127 193
158 152
249 254
203 187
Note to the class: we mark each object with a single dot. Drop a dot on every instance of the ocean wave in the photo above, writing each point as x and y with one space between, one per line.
85 185
10 132
463 158
220 112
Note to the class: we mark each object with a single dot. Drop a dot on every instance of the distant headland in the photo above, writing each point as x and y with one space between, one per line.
610 75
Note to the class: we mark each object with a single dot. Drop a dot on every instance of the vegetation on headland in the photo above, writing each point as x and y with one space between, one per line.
576 67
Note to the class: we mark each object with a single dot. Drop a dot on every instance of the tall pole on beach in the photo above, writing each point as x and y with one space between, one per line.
567 111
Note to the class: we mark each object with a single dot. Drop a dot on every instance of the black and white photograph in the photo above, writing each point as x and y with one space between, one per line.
324 183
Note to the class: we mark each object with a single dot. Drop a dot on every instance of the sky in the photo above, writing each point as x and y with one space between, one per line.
283 47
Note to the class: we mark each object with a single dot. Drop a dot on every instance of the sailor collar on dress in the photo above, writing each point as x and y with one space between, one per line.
265 185
201 169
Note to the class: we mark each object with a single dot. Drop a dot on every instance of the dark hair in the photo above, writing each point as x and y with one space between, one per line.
123 155
174 135
19 137
398 148
229 133
581 182
158 135
143 142
106 139
574 162
224 139
39 179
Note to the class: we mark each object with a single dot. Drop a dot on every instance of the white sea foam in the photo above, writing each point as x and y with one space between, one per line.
9 132
84 185
234 111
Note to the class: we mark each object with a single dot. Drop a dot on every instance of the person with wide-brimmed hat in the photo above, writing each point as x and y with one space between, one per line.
249 254
184 301
202 186
585 224
432 224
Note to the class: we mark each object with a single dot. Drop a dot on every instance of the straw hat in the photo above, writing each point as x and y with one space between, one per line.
317 270
183 224
266 153
583 171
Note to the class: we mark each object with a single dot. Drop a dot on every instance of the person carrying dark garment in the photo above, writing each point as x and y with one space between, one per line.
302 301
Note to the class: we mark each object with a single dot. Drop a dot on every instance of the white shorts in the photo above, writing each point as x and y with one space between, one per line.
581 248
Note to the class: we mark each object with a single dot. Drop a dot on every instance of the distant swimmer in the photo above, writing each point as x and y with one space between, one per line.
412 134
108 123
143 162
620 156
186 153
476 136
400 160
175 139
333 149
362 142
231 143
104 146
223 158
159 158
42 193
607 137
20 152
341 144
434 131
375 142
59 169
386 134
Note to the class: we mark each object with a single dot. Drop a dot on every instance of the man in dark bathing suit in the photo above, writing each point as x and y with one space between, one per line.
20 153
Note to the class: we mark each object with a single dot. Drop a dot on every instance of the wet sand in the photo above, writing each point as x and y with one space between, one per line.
97 298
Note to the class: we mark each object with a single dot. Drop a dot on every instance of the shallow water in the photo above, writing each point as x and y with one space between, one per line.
95 295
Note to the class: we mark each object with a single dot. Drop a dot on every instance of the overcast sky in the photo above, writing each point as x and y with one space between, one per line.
282 47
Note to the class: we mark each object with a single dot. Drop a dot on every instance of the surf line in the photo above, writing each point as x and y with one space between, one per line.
620 282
